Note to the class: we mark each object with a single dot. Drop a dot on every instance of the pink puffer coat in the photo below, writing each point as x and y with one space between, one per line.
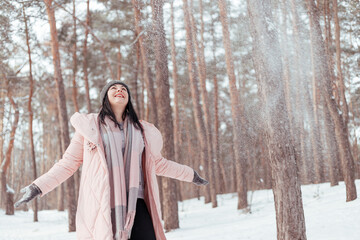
93 219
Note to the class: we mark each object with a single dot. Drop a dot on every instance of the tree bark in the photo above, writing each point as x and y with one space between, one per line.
200 58
5 190
74 57
355 148
136 83
145 61
296 114
332 155
340 78
286 187
177 127
63 117
322 72
2 115
170 210
85 63
119 59
238 130
193 76
221 173
74 93
31 81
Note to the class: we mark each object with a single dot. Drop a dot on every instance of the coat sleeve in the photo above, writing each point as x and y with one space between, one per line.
163 166
65 167
168 168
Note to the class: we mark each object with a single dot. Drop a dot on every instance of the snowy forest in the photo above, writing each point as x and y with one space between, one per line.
254 95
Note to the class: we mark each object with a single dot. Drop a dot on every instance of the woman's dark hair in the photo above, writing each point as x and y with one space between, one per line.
129 111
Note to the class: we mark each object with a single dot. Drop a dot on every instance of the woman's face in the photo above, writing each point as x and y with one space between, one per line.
118 95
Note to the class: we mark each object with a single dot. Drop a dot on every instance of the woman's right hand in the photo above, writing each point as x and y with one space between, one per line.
31 191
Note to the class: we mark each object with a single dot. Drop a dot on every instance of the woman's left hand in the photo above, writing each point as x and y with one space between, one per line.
199 180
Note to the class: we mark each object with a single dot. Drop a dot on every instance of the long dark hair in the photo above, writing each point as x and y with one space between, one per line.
129 111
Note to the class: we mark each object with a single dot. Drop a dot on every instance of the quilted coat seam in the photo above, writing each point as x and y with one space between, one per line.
96 219
84 223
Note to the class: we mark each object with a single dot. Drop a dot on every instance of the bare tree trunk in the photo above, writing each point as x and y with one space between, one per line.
170 210
331 144
177 128
296 116
137 86
146 67
85 64
299 60
238 130
142 84
200 58
119 58
61 101
32 150
286 187
60 201
343 105
5 189
192 151
221 173
2 115
355 144
74 94
193 75
322 71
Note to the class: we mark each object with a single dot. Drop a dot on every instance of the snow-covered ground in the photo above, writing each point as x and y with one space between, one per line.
327 216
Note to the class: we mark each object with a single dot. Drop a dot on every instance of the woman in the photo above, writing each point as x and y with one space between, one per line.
118 195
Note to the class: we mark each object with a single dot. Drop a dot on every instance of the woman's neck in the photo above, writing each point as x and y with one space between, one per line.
118 114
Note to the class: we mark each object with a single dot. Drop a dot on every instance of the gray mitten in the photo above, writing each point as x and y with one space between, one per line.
199 180
31 192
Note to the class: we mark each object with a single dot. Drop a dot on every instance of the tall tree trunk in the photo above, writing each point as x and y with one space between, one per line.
85 64
2 115
177 128
340 78
193 76
5 189
74 93
32 150
119 59
141 84
145 61
322 71
296 116
332 156
286 187
221 173
74 57
301 80
63 117
170 206
137 86
238 130
200 58
355 147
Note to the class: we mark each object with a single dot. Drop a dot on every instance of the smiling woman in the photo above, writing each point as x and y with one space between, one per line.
121 156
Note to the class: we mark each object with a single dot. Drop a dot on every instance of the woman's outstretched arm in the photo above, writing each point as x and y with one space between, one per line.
64 168
168 168
163 166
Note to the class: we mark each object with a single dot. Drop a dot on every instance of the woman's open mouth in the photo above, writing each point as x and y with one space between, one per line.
119 95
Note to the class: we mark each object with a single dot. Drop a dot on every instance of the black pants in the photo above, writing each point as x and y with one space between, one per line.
143 228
